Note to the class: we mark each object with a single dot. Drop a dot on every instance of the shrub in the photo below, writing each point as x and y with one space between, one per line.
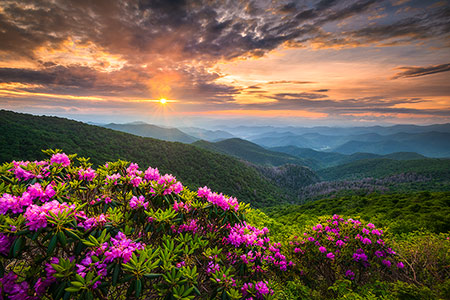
427 259
337 249
69 231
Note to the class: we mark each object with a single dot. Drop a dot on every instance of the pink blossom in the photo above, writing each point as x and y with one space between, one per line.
136 203
370 225
60 158
36 216
151 174
88 174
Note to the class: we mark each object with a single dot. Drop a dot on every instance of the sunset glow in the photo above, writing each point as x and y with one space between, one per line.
300 62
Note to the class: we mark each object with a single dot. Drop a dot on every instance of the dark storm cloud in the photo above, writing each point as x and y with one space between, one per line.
409 72
74 79
222 29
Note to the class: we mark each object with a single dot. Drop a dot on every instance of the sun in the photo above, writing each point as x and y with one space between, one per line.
163 100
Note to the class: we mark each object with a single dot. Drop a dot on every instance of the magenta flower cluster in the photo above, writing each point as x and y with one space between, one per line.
86 174
218 199
60 158
348 243
136 202
121 248
36 216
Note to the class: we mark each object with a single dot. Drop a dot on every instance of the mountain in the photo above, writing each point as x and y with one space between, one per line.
207 135
321 159
249 131
436 168
153 131
250 152
25 135
289 177
286 139
431 144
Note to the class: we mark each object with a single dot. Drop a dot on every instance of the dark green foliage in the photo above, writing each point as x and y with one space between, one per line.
438 169
320 159
22 136
250 152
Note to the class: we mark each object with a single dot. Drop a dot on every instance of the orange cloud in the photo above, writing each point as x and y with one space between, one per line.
262 113
161 84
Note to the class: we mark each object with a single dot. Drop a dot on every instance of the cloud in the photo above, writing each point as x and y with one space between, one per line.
289 82
410 72
168 48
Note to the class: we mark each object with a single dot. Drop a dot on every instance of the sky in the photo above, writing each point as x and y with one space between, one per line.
306 63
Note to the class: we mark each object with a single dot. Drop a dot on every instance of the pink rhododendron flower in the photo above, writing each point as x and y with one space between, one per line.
112 178
151 174
36 216
136 203
88 174
60 158
122 247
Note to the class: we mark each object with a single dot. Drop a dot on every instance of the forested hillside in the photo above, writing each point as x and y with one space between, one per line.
437 168
250 152
23 136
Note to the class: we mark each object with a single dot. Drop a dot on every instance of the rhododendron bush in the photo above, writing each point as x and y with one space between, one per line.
116 232
69 231
338 248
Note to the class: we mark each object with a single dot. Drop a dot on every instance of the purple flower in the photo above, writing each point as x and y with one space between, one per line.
60 158
135 181
330 255
203 192
318 227
350 274
36 216
322 249
112 178
379 253
370 225
261 288
387 263
121 247
151 174
377 232
360 255
366 241
5 243
132 169
136 203
88 174
340 243
400 265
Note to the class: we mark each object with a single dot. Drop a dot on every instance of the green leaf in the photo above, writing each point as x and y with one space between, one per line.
72 289
18 244
138 288
62 238
152 275
52 245
116 274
